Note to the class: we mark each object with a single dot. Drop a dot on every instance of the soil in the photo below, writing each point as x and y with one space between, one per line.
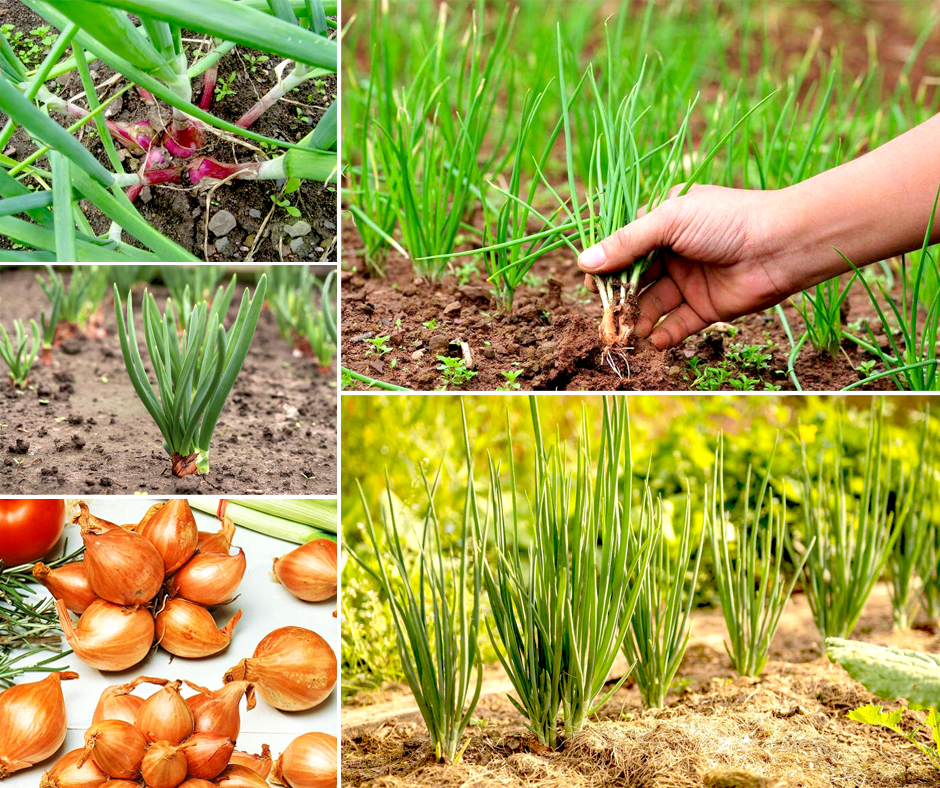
79 428
786 728
181 212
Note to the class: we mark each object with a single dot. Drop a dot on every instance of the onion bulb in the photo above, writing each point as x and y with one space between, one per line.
122 784
68 774
293 668
257 763
32 722
217 711
108 637
164 765
122 567
117 703
208 754
240 777
166 717
67 583
172 530
195 782
309 572
188 630
86 519
116 747
209 578
308 762
219 542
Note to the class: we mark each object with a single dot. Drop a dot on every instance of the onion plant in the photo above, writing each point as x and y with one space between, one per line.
195 370
749 576
929 560
434 599
189 284
72 303
821 311
659 630
560 607
128 276
44 210
852 538
305 309
21 352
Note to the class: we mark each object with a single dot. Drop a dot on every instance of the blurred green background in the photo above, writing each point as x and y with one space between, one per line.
674 439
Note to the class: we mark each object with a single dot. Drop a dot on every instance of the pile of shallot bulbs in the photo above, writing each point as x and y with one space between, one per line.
167 741
155 580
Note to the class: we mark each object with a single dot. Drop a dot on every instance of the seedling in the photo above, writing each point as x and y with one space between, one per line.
224 87
510 384
454 371
18 354
431 325
379 345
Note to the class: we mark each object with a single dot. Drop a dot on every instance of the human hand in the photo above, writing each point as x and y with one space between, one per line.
719 260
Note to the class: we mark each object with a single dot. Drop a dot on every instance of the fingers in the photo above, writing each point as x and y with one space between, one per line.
677 326
627 244
590 284
657 300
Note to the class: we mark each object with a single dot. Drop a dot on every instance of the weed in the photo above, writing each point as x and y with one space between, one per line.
454 371
379 345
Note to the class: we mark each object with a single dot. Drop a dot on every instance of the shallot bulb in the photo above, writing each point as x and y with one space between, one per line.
188 630
122 784
309 572
117 748
32 722
308 762
196 782
166 717
68 774
164 765
122 567
209 578
172 530
240 777
257 763
217 711
208 754
293 668
219 542
117 703
108 637
67 583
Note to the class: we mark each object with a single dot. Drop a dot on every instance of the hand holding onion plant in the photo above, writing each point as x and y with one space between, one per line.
195 371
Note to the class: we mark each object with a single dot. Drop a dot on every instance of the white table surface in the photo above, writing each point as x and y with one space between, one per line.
265 606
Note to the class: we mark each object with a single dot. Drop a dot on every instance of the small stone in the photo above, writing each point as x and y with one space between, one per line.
114 107
488 352
297 245
250 240
146 195
438 344
222 245
20 447
673 372
254 213
525 336
377 366
298 229
452 309
329 225
417 355
222 223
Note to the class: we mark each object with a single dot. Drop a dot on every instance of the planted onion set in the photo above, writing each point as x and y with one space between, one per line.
477 173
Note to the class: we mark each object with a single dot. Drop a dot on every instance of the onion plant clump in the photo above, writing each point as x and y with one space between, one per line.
434 598
852 537
561 604
195 369
143 43
748 554
71 306
20 352
189 284
305 308
659 630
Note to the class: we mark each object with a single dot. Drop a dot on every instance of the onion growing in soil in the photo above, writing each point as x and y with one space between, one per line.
309 571
68 774
188 630
108 637
310 761
33 722
293 668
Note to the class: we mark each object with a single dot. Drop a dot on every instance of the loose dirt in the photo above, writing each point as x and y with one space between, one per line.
786 728
79 428
182 213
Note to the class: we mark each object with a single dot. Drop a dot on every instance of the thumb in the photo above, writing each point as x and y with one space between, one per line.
629 243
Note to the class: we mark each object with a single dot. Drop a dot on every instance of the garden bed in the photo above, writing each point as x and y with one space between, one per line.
181 212
787 728
80 429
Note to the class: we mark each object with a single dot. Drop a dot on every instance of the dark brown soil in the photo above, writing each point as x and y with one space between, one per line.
180 211
79 428
551 335
786 728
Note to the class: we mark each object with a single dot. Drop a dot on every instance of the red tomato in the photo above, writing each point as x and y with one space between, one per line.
29 528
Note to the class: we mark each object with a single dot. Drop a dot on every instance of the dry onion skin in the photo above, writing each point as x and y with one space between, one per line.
216 711
293 668
122 566
209 579
309 571
68 774
68 583
166 717
310 761
171 529
117 702
32 722
218 542
117 748
108 637
188 630
257 763
196 782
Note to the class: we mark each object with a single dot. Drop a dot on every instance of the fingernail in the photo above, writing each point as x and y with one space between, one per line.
659 339
592 258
